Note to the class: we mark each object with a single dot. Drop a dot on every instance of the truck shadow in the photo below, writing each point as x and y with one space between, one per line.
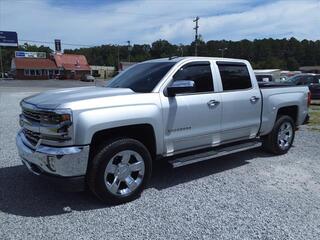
23 194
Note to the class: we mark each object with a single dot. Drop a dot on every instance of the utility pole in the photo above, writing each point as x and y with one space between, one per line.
196 36
118 58
181 49
2 73
222 50
129 50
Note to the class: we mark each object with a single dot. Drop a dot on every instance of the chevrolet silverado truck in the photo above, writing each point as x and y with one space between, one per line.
179 110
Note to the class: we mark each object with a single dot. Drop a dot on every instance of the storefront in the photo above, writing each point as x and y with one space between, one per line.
29 65
73 66
34 68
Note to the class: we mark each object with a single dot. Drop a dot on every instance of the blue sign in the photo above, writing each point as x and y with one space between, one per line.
23 54
9 39
20 54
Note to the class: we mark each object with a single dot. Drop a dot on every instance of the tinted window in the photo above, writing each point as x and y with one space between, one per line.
200 73
317 79
312 79
234 76
141 77
300 79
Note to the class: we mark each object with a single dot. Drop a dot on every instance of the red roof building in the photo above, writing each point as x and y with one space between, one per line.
59 65
74 66
34 68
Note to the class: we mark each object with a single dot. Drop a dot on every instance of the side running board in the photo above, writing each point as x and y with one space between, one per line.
213 153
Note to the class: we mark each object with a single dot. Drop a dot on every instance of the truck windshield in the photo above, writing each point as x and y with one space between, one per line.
142 77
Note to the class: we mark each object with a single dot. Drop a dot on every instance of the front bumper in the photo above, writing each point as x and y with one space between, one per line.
54 161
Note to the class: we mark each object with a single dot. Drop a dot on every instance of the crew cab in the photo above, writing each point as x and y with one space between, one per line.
180 110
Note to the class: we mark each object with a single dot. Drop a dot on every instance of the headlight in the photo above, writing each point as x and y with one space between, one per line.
56 117
56 125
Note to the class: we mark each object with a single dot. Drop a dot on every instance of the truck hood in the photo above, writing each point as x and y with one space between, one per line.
52 99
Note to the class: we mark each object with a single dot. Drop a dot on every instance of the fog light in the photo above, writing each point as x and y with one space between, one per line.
50 163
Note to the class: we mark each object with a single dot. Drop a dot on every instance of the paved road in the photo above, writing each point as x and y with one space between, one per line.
44 84
250 195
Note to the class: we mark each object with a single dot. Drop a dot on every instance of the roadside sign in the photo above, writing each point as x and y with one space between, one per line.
8 39
57 44
23 54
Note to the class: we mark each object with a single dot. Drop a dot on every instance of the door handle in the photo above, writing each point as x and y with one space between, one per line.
254 99
213 103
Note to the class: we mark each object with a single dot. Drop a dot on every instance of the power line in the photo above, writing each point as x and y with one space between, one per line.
45 42
196 36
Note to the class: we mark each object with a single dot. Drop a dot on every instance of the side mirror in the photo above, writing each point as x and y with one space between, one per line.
180 86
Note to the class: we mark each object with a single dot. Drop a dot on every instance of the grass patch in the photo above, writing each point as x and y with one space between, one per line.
314 108
314 121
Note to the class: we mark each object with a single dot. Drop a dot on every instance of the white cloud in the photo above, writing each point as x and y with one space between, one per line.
146 21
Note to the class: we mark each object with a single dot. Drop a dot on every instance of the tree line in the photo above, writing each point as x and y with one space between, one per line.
287 54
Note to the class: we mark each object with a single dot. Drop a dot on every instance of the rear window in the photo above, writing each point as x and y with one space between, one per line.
234 76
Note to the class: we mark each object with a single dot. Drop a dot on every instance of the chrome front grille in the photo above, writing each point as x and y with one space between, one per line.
32 137
32 115
49 126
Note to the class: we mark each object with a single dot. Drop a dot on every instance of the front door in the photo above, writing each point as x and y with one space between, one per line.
192 120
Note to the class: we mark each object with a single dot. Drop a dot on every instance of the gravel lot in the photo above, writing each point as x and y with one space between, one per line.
251 195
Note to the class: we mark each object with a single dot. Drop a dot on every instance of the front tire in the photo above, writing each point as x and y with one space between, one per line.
280 139
120 171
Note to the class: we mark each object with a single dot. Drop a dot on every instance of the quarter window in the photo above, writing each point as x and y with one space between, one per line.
199 72
234 77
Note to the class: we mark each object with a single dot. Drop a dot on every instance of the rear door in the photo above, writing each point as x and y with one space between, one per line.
241 102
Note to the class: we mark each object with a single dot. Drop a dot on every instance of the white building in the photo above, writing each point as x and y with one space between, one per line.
102 71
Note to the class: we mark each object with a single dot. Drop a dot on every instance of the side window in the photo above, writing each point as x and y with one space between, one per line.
307 80
314 80
234 77
299 81
199 72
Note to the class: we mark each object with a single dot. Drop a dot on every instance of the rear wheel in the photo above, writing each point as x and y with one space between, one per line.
120 171
280 139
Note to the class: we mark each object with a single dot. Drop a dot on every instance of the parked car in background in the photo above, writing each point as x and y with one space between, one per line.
264 77
58 76
267 75
307 79
87 78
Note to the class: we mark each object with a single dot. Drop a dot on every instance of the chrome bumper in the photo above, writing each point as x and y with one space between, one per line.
59 161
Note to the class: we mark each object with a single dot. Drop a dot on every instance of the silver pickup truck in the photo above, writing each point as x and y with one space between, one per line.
180 110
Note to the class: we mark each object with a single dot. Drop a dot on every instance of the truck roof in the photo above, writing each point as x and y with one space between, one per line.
178 59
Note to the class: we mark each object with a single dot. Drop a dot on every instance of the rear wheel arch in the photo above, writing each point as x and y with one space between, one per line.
291 111
271 142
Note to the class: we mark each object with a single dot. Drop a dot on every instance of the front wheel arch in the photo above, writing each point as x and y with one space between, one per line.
96 172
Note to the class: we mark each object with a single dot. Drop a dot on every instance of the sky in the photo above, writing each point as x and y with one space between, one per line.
91 23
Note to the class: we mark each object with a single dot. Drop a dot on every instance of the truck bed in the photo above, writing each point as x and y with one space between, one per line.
274 84
276 96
